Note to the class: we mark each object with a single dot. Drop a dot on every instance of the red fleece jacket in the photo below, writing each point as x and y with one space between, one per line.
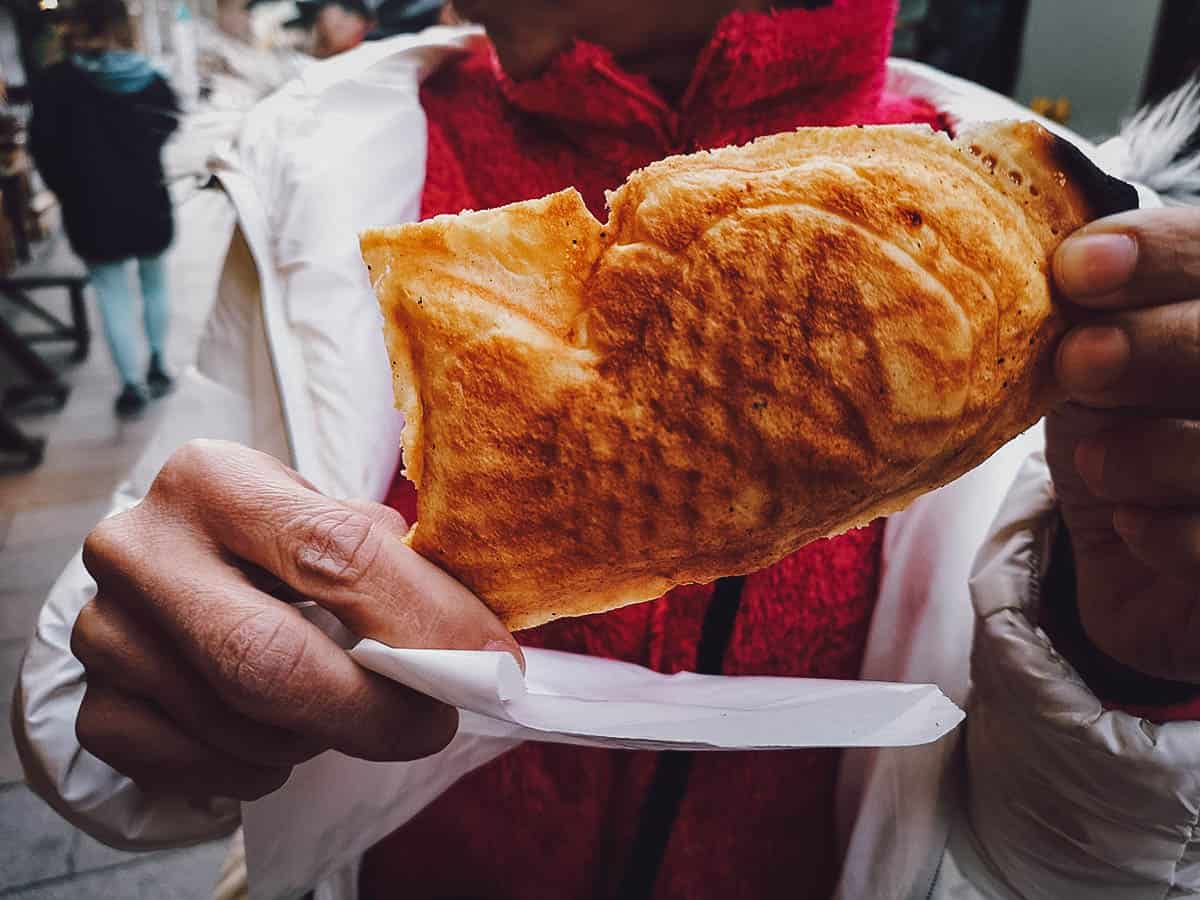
562 822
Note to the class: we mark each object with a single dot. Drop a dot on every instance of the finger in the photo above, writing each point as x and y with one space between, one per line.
134 738
354 564
1166 540
1139 258
1089 515
383 516
259 655
1147 462
128 653
1148 358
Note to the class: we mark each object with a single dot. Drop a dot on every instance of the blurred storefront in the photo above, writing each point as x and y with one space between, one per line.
1096 54
1177 47
1090 62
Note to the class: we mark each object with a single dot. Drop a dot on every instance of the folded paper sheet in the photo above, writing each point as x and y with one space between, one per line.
574 699
334 807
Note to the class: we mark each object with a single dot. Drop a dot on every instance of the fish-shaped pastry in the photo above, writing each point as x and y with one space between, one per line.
764 345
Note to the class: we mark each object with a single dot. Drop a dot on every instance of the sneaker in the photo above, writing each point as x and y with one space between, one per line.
157 379
131 402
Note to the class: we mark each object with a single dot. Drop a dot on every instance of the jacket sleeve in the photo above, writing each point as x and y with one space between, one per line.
231 392
169 106
1063 798
161 108
269 332
226 395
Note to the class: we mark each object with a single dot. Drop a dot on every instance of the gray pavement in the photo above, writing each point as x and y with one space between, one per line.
43 518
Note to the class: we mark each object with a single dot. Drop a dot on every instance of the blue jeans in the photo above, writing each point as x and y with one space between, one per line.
117 308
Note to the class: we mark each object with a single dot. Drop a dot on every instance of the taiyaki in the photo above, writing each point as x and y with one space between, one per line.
762 346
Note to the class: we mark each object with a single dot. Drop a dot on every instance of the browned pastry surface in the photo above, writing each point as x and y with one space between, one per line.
765 345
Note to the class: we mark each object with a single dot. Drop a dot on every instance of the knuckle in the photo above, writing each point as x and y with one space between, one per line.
390 519
1182 241
84 727
191 467
90 722
84 635
121 556
106 545
257 657
185 464
334 545
1169 234
100 641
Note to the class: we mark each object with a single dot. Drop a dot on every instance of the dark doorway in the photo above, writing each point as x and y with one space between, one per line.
1176 54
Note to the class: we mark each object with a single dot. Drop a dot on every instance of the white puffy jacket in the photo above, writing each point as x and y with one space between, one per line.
1043 795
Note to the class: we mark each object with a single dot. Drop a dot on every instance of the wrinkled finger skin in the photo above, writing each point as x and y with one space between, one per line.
201 680
1124 450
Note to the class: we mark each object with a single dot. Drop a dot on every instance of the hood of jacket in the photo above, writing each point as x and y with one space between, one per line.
116 71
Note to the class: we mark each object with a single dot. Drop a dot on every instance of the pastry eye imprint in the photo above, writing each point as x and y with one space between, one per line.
764 345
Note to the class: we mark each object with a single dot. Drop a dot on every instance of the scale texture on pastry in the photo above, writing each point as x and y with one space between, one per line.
764 345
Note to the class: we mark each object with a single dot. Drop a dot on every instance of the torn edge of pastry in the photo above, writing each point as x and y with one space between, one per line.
405 375
546 249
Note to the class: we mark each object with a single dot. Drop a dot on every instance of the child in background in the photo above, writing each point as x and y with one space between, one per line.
100 120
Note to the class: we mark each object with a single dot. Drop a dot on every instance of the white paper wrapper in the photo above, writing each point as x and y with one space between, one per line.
334 807
574 699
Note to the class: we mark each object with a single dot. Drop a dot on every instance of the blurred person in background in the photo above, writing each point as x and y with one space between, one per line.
335 26
405 17
1068 782
100 120
12 68
341 25
241 59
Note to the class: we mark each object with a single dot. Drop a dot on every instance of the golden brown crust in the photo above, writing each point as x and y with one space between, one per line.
765 345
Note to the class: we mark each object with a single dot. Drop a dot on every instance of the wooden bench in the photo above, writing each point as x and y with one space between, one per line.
55 268
17 288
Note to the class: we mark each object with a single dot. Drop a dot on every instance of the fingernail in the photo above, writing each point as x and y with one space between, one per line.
507 647
1129 522
1093 358
1093 264
1089 462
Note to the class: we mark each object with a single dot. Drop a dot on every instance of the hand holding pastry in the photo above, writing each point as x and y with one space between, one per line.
1125 452
198 670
